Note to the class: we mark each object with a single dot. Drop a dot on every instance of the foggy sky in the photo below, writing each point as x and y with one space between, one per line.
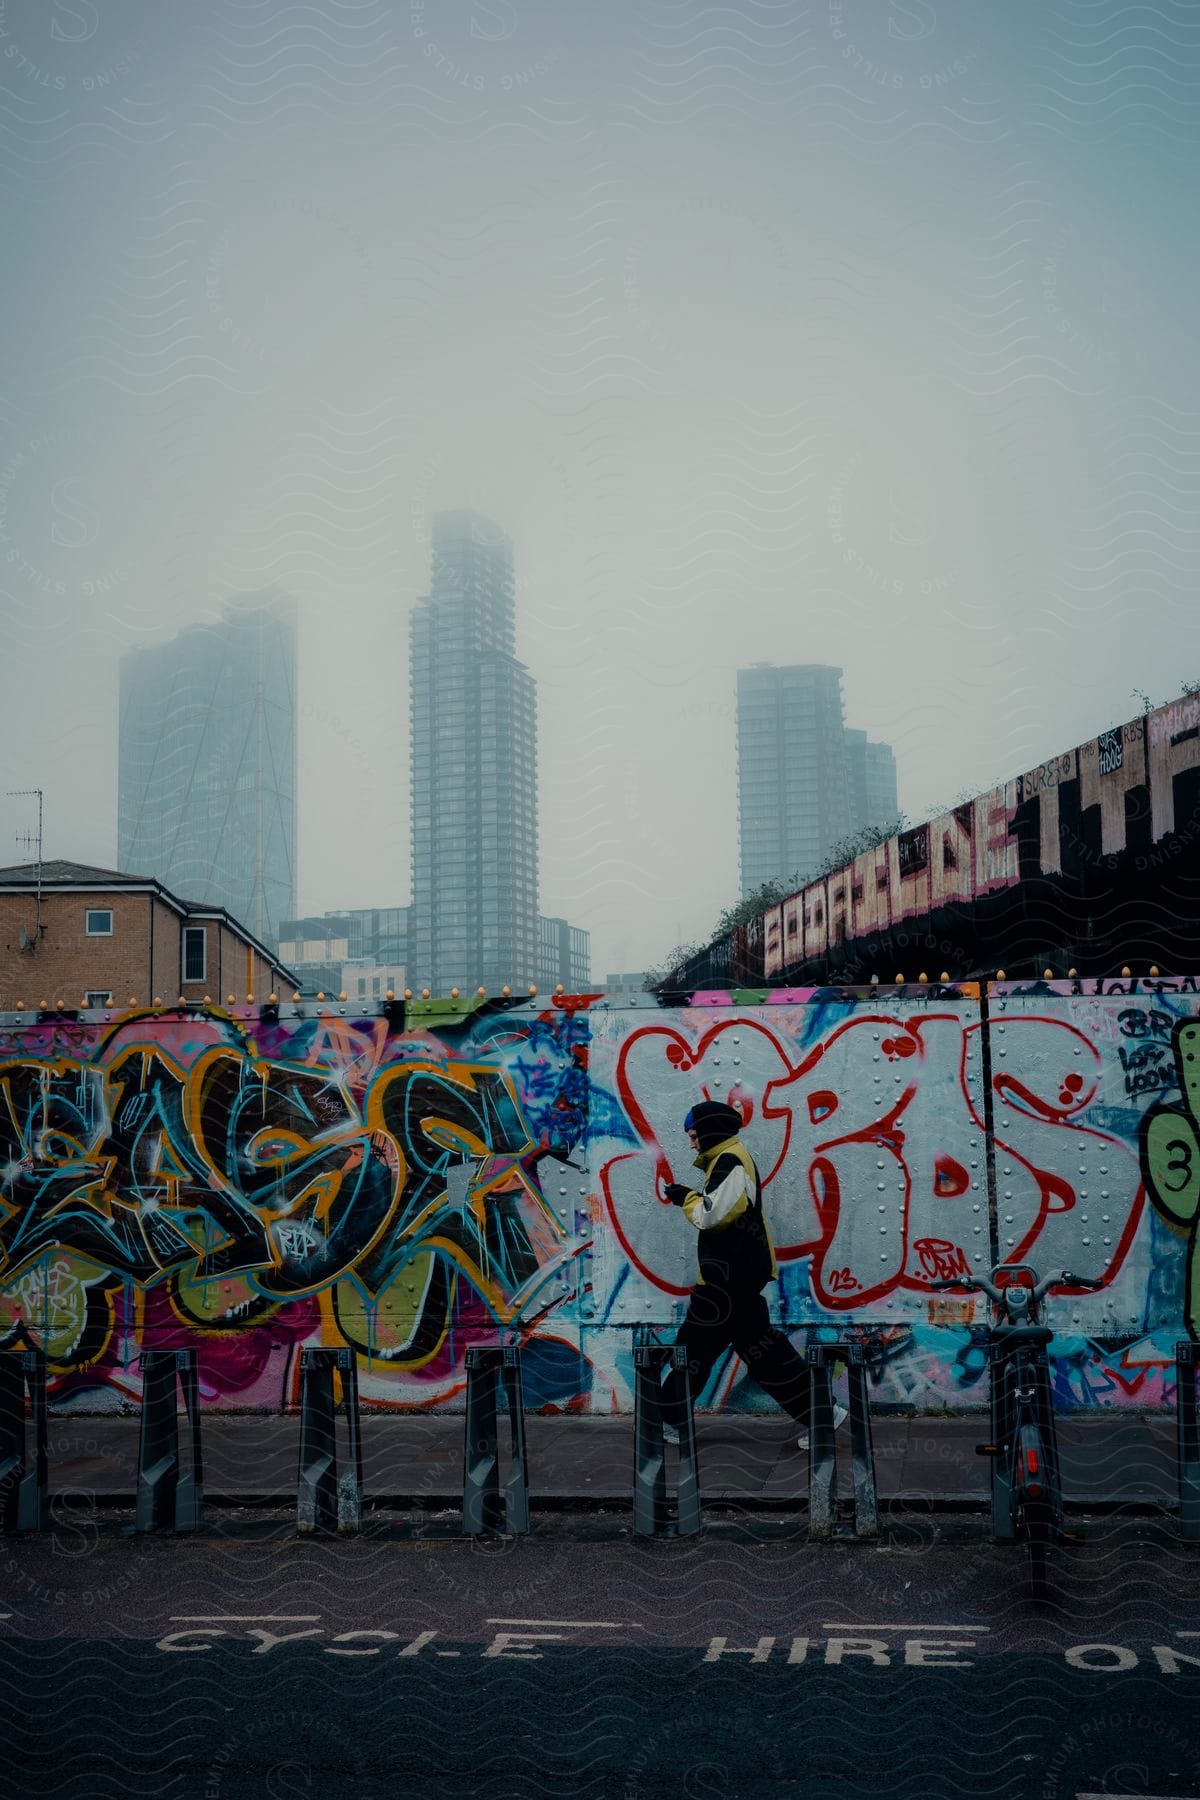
847 332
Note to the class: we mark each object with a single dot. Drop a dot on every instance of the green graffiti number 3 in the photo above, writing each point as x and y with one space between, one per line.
1183 1161
1170 1157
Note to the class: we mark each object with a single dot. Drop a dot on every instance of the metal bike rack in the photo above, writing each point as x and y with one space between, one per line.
489 1365
822 1452
24 1495
325 1499
1187 1439
650 1505
168 1494
1000 1371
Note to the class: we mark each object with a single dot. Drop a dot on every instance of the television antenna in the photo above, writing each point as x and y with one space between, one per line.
28 841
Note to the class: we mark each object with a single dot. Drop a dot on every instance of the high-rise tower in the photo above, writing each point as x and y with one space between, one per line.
473 715
794 792
206 798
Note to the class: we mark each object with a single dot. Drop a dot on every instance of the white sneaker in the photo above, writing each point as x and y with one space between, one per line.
670 1434
840 1415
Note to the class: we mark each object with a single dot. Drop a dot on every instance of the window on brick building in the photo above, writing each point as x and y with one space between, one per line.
195 945
98 921
92 998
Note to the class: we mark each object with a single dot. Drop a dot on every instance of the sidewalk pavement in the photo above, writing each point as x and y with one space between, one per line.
416 1459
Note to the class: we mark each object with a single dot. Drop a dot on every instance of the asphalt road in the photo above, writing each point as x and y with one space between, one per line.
582 1662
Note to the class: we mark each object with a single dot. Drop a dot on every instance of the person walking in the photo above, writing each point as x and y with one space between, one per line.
736 1261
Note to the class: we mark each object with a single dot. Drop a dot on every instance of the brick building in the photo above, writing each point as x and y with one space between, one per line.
96 938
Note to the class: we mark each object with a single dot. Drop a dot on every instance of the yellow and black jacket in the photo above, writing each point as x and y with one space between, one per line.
735 1245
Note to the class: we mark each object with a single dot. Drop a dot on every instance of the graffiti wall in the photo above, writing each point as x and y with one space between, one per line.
258 1180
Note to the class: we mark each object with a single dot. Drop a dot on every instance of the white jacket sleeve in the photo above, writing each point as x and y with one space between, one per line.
726 1202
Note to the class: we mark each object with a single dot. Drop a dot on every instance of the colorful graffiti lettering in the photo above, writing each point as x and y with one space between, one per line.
254 1185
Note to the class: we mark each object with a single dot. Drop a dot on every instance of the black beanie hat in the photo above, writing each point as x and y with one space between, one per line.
713 1121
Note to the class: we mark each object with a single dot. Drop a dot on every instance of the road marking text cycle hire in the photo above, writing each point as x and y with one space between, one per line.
894 1645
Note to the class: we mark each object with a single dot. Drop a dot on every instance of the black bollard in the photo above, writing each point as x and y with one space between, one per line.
325 1500
484 1511
1187 1439
24 1496
168 1493
651 1512
822 1440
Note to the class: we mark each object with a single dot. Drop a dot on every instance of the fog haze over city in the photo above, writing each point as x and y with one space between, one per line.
836 333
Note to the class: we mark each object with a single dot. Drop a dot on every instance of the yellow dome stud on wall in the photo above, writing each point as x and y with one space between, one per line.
945 975
207 1000
424 993
533 988
922 976
1073 974
454 993
1000 975
506 991
1126 972
408 993
481 993
1154 969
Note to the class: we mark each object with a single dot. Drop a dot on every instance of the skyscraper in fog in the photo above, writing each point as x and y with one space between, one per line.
474 918
872 781
794 799
207 772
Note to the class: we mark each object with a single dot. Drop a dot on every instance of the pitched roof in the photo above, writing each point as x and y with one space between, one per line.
25 875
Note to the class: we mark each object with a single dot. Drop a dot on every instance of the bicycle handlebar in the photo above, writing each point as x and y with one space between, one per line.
982 1285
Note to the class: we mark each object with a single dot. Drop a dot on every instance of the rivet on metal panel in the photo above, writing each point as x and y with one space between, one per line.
1104 1168
883 1209
1086 1240
1104 1193
1008 1218
1003 1052
1010 1241
881 1185
883 1231
1108 1240
1104 1217
975 1208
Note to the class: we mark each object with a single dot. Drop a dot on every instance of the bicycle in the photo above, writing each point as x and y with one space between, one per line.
1022 1407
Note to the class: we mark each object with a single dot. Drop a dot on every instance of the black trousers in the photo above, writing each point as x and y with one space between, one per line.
720 1318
